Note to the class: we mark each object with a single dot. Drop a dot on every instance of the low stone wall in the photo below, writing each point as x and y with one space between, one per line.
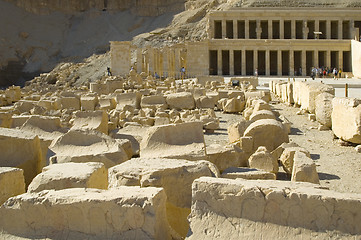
251 209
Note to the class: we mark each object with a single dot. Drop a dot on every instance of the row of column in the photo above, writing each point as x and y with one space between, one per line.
279 61
305 29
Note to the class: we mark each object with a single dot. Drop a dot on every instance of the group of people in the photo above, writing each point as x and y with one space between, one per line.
324 72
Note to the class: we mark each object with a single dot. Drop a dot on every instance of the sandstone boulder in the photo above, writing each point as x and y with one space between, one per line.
263 160
70 175
87 146
180 141
79 213
91 120
11 183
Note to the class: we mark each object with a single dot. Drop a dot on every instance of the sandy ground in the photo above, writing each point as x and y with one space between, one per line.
339 167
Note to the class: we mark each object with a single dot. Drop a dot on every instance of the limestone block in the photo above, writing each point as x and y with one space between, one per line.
247 173
262 114
21 150
288 155
246 144
70 103
263 160
254 209
107 103
154 102
304 169
179 101
47 104
11 183
180 141
173 175
70 175
226 156
132 99
6 119
88 102
261 94
209 122
134 134
266 132
161 121
236 130
234 105
279 150
13 94
19 120
206 102
24 106
236 93
79 213
88 146
346 119
261 105
98 88
91 120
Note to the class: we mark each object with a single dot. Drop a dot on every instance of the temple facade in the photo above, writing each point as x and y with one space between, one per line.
271 42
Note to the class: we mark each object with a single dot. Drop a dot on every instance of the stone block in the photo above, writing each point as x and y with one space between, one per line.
70 103
87 146
246 144
247 173
288 155
70 175
161 121
154 102
251 80
134 134
236 130
267 132
19 120
88 102
6 119
79 213
180 101
234 105
11 183
226 156
261 114
107 103
346 119
24 106
91 120
13 94
279 150
206 102
263 160
131 99
173 175
180 141
255 209
304 169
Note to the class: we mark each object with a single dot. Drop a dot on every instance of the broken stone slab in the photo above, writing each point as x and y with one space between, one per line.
262 159
346 119
226 156
180 141
11 183
175 176
70 175
304 169
21 150
288 155
247 173
91 120
87 146
253 209
79 213
267 132
179 101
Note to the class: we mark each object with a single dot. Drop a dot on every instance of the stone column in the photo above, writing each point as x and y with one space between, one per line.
303 63
292 63
219 63
258 29
150 61
279 62
177 62
224 33
268 65
282 29
328 29
165 62
293 29
246 27
315 59
340 60
243 59
305 30
328 58
235 29
255 60
231 62
139 60
270 29
340 29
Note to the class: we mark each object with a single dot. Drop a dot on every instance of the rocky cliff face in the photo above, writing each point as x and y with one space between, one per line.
138 7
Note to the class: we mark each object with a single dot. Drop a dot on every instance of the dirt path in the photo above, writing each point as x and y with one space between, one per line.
339 167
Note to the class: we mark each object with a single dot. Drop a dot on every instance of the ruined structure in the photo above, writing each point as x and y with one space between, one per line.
274 42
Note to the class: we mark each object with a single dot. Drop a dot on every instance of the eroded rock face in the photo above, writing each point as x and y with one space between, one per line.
251 209
123 213
70 175
11 183
88 146
180 141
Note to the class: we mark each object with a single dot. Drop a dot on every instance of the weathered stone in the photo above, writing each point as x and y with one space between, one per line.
323 108
287 157
179 101
11 183
247 173
263 160
279 150
127 99
262 114
173 175
180 141
70 103
226 156
154 102
234 105
304 169
79 213
91 120
88 102
236 130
